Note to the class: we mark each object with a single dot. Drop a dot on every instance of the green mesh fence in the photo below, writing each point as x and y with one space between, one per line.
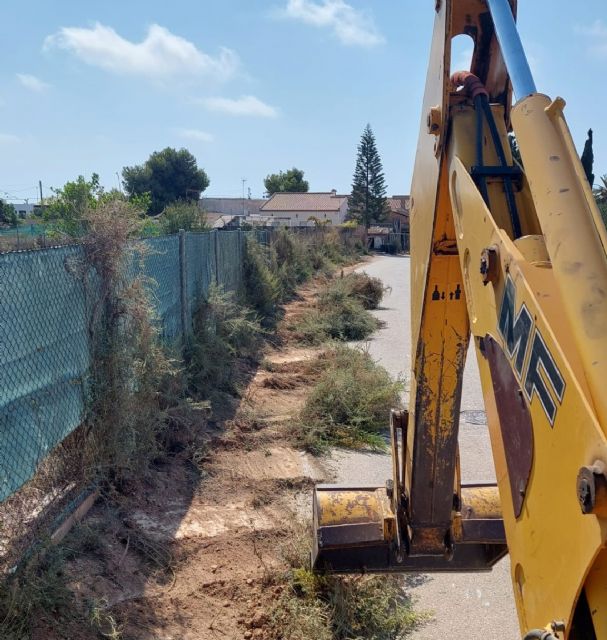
46 308
44 357
162 266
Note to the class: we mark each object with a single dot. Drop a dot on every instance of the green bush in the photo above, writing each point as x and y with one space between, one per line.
292 261
340 313
261 287
183 215
326 607
37 592
350 404
367 290
224 329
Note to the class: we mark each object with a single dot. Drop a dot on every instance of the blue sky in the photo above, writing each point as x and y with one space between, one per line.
250 86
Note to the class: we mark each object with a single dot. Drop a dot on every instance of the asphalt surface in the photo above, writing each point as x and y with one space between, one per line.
464 605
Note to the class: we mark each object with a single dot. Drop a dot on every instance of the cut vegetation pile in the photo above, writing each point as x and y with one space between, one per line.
350 404
339 608
342 311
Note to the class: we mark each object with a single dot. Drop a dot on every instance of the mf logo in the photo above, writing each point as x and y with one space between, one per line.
538 371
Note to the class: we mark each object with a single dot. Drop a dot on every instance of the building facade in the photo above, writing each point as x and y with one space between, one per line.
306 209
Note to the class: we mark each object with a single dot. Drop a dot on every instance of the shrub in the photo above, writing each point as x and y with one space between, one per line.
183 215
346 319
261 287
340 313
361 286
223 330
339 608
37 592
292 261
125 418
350 404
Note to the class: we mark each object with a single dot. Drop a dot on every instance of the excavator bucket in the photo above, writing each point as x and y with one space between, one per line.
362 529
353 529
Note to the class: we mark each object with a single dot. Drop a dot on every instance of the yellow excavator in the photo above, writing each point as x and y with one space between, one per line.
510 257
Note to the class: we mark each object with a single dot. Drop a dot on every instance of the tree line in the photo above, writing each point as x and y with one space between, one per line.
170 182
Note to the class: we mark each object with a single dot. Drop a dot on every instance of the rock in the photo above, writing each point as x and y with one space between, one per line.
247 635
249 581
259 620
214 568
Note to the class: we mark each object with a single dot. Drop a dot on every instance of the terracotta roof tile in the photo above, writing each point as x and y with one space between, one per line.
304 202
399 204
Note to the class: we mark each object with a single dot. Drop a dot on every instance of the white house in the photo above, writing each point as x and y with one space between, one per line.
24 209
301 209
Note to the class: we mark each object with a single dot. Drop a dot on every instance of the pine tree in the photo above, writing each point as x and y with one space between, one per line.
588 159
367 203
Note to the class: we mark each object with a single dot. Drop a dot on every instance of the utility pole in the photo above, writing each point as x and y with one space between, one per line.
243 183
119 183
40 185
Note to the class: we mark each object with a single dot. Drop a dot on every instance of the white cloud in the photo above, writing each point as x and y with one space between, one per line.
243 106
32 83
161 54
8 138
597 34
350 26
195 134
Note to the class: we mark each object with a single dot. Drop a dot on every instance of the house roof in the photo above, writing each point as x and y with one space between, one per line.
399 205
378 230
309 202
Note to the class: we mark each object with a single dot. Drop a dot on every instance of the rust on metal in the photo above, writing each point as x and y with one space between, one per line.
515 422
490 265
592 489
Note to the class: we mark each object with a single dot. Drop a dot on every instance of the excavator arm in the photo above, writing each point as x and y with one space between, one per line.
510 261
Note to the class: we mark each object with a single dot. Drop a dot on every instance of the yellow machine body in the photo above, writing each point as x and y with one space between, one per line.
512 262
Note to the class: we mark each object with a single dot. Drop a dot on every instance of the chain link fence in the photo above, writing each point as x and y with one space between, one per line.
47 303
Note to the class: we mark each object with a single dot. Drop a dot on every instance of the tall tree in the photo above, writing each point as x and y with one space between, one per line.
588 159
168 175
600 195
291 181
71 201
368 203
8 214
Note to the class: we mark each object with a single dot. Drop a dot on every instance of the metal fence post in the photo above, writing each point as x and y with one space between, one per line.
183 285
216 258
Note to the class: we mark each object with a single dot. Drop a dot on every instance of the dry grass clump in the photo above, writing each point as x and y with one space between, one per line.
349 405
125 416
38 590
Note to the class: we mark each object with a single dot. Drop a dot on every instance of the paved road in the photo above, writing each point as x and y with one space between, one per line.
472 606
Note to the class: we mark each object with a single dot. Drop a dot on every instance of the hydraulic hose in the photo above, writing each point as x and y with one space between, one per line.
475 89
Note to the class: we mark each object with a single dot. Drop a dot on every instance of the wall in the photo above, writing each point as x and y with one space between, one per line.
302 217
